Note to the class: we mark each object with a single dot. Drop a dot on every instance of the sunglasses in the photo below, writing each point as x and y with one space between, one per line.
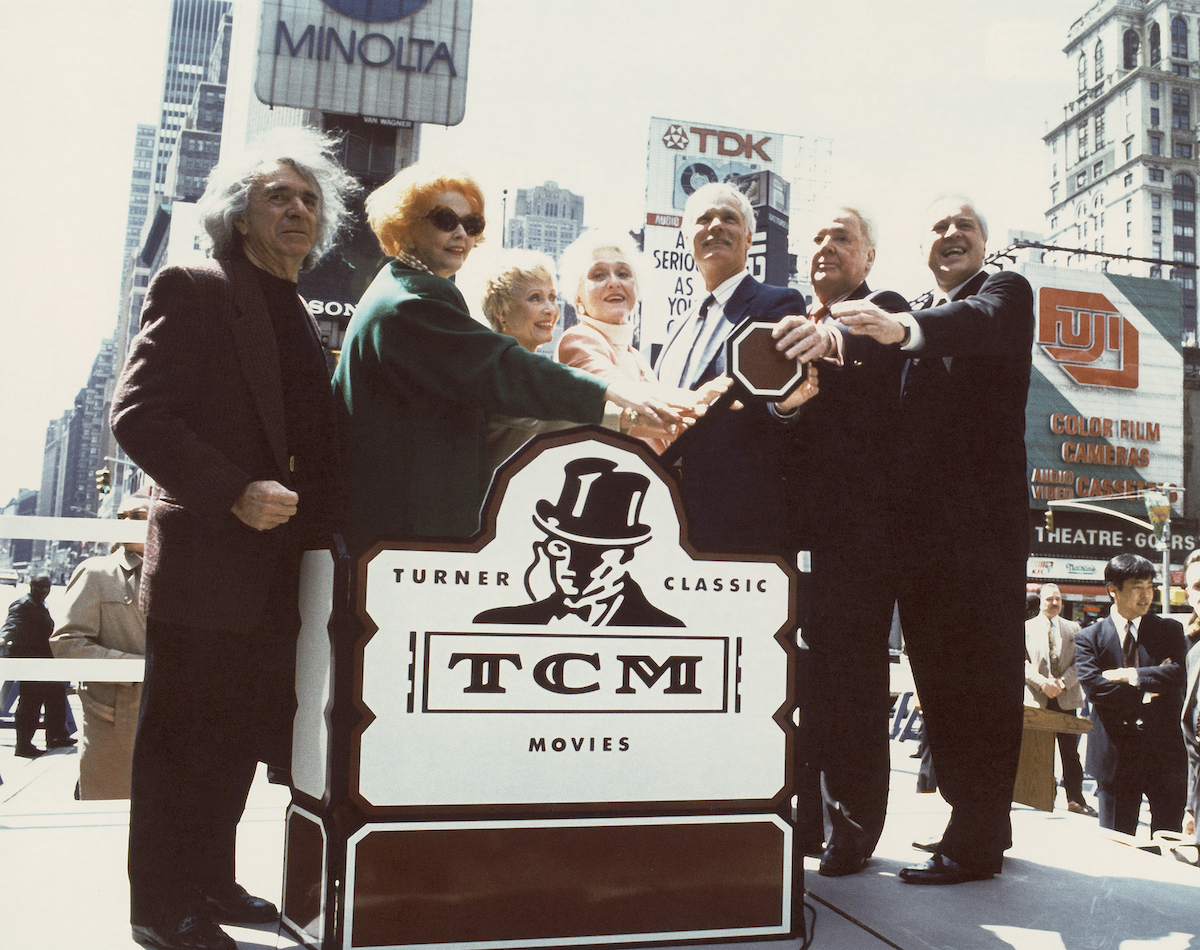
446 220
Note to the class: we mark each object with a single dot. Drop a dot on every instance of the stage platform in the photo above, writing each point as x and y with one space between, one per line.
1065 886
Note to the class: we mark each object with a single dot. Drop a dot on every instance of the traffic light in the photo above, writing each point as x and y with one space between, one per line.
1049 519
104 480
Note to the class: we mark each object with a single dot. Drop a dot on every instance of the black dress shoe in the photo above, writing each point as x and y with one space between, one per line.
941 870
193 932
28 752
60 743
839 861
930 846
239 907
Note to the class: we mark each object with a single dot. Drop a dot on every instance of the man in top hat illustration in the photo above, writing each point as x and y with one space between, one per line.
591 534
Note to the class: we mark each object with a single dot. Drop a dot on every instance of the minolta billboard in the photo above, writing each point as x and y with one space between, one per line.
384 59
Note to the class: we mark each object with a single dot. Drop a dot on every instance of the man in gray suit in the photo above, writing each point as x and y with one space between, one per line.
1052 683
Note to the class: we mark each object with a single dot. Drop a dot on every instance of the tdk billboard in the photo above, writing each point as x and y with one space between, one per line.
384 59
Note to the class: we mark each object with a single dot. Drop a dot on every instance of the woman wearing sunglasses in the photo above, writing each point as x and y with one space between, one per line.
418 376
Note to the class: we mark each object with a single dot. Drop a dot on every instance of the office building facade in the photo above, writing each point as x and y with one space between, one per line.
1124 160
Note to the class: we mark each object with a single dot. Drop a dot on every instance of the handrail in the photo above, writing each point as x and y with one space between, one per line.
53 670
31 527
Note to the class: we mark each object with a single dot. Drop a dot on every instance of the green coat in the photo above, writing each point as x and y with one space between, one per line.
416 383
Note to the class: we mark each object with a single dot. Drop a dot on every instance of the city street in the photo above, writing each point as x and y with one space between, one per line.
1065 886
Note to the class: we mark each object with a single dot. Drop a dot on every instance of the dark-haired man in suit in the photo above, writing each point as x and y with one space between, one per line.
843 437
961 491
1131 666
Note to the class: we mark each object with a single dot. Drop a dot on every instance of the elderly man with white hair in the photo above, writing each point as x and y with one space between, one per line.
961 507
225 402
731 489
845 437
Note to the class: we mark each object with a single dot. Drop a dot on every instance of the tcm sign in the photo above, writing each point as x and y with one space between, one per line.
386 60
1088 338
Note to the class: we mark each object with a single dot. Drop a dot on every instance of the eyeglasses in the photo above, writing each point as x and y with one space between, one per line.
446 220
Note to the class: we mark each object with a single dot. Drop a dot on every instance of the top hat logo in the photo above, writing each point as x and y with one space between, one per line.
598 505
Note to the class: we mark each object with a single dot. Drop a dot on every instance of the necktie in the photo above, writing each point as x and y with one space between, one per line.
1129 648
1053 652
697 338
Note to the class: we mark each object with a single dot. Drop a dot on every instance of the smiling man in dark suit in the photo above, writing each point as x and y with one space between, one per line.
844 437
1131 666
226 403
961 496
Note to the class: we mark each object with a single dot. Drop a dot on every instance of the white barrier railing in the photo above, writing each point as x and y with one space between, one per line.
71 671
31 527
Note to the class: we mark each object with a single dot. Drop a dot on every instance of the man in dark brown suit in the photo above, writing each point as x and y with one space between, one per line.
225 402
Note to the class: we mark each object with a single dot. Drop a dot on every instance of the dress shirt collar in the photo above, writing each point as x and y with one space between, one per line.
1122 622
952 293
724 290
129 560
817 306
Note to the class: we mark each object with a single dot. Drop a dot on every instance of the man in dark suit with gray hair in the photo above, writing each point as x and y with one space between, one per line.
731 490
961 490
845 437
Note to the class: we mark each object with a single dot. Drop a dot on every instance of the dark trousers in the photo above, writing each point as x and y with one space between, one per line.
34 697
970 678
1154 769
214 703
1068 752
847 637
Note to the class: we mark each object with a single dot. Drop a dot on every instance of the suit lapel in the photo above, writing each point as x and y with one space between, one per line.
733 312
1192 693
1109 641
254 339
971 286
739 301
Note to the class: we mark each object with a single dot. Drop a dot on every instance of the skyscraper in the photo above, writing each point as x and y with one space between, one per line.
140 186
1124 159
545 218
193 33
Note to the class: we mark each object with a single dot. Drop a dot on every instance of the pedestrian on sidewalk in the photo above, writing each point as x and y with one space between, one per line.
27 633
1052 683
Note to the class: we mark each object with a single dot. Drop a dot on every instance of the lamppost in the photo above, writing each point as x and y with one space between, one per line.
504 218
1158 510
